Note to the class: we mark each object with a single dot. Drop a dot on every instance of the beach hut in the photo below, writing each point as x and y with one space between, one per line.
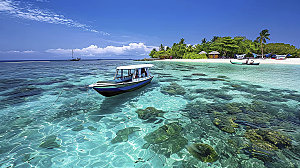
240 57
214 54
203 52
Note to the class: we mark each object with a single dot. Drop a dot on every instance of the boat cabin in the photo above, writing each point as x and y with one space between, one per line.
133 72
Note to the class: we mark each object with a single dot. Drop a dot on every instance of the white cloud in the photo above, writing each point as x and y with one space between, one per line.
92 50
5 6
42 0
18 52
25 11
28 51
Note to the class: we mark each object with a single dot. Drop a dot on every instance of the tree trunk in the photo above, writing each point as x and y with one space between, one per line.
262 51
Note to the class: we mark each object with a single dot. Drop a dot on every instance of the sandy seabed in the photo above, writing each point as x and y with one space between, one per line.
295 61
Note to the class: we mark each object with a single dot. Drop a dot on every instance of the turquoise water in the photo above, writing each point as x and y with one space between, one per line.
50 118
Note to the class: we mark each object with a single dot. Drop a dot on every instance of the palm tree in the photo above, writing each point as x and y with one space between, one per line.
204 41
161 47
190 48
181 41
214 39
263 35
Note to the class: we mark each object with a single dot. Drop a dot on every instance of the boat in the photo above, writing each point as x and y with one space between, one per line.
127 78
280 57
74 59
244 63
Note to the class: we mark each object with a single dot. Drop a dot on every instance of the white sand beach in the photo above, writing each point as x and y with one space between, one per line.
295 61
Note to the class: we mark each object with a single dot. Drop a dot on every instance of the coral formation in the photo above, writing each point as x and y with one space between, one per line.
225 123
92 128
122 135
172 145
199 74
214 94
166 139
78 128
222 76
149 113
203 152
173 89
163 133
50 142
268 139
265 142
211 79
234 108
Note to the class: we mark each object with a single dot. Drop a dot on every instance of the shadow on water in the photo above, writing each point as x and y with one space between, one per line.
116 103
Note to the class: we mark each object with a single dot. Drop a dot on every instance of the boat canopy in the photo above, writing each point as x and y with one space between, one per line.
136 66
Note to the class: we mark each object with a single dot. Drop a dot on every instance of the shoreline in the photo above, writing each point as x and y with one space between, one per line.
290 61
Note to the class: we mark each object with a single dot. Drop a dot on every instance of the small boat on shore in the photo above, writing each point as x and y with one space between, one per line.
244 63
127 78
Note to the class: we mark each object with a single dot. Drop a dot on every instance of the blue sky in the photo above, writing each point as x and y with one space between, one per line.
50 29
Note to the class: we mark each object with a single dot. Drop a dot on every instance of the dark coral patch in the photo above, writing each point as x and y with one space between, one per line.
173 89
203 152
149 113
166 140
122 135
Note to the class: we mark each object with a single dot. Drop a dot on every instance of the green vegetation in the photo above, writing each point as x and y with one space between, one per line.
191 55
226 46
281 49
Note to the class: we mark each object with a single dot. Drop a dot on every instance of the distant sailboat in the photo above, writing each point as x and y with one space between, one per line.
74 59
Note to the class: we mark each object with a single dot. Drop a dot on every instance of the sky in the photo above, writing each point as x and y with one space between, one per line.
122 29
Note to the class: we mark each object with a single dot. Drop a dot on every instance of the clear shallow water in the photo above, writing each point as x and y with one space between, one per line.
50 102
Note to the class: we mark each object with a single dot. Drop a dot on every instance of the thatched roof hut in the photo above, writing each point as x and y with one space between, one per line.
214 54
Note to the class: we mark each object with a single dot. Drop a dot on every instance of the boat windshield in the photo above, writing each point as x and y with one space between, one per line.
124 74
129 74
